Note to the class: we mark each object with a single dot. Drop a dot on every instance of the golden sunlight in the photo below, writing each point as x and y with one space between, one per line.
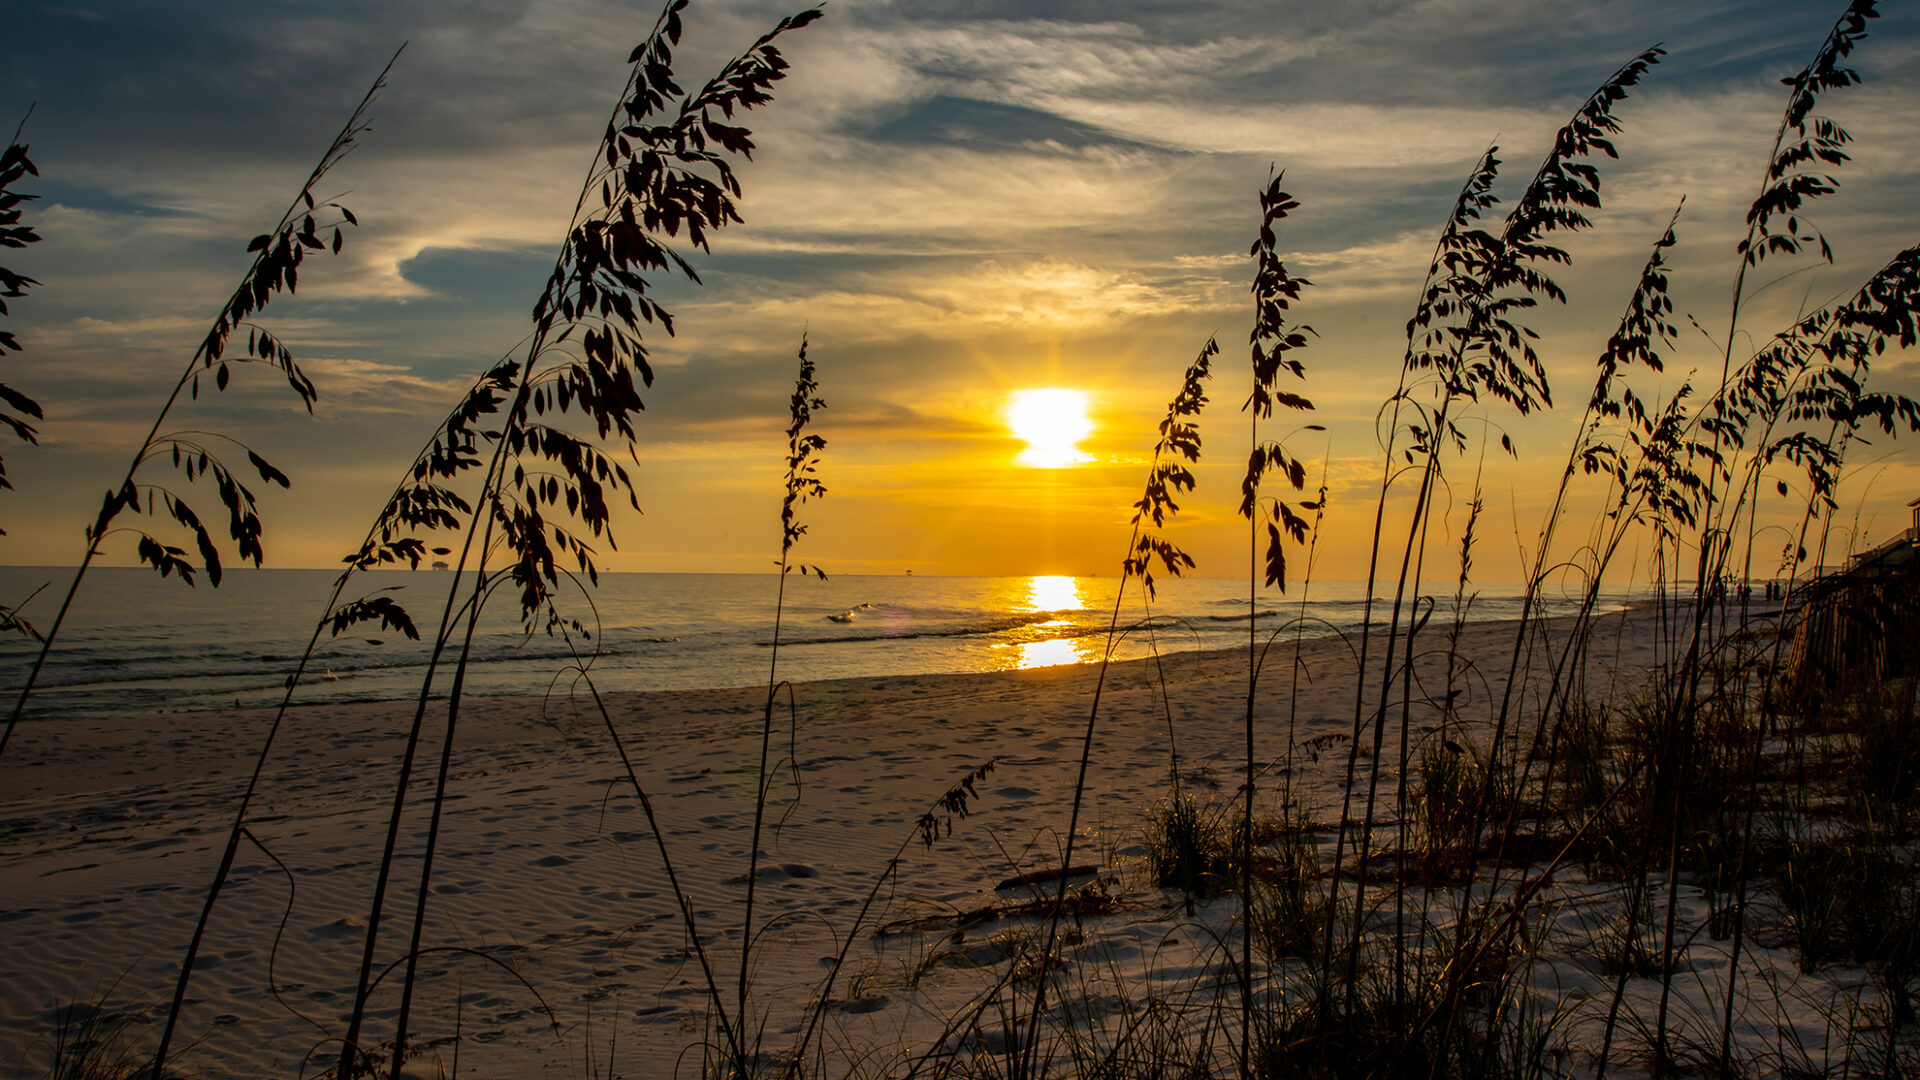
1051 653
1051 422
1053 594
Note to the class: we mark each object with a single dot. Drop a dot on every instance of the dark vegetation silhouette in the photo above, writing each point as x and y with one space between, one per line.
1676 793
310 223
18 411
1395 940
802 483
15 166
663 169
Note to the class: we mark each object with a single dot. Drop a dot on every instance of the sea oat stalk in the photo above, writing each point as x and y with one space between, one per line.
277 256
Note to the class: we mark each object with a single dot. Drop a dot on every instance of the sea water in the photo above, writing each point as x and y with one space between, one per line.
137 643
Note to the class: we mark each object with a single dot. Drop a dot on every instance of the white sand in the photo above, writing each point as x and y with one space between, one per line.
110 831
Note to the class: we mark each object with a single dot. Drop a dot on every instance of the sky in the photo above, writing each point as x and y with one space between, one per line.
955 200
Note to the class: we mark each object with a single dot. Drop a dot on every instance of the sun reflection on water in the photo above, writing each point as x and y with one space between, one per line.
1048 595
1051 653
1054 593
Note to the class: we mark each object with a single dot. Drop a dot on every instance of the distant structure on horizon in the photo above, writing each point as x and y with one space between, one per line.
440 564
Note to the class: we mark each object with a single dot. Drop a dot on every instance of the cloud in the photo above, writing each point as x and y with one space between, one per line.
1045 295
1049 59
354 385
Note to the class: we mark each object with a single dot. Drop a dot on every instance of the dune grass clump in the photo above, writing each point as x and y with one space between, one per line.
1289 904
1378 1031
1457 785
1186 849
92 1043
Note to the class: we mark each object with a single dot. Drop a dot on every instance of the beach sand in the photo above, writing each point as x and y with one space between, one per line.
559 950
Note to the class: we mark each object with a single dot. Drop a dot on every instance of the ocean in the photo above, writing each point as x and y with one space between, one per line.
139 643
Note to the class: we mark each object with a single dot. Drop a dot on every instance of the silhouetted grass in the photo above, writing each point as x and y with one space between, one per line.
1186 849
665 161
92 1043
197 455
19 409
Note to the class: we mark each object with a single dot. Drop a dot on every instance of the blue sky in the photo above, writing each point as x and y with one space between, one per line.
954 200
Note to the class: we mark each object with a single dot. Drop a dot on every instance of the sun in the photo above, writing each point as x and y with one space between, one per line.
1051 422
